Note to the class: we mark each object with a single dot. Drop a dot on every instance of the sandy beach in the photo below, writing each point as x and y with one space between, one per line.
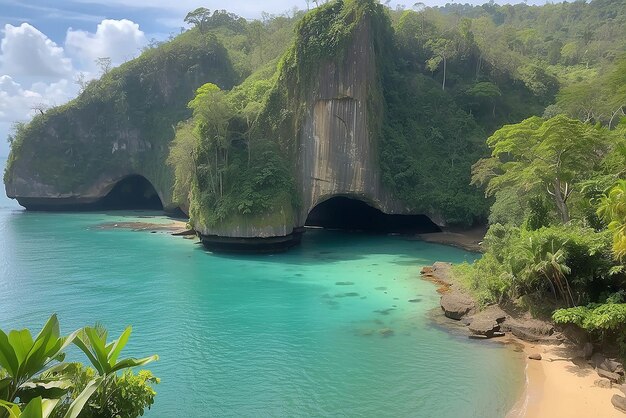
561 385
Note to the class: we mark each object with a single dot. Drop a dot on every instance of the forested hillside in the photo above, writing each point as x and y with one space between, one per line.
452 76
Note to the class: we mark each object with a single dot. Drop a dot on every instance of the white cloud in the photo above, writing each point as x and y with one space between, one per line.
119 40
18 103
36 73
25 51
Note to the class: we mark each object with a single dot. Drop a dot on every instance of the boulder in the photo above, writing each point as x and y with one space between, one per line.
611 365
484 327
535 356
596 360
427 270
456 306
603 383
532 330
587 350
613 377
619 402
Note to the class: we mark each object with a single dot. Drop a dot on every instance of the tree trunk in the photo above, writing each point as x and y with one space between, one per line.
560 201
443 85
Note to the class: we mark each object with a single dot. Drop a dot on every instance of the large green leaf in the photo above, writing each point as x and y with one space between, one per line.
131 362
48 346
22 342
85 349
8 359
118 345
11 408
34 409
97 345
48 406
53 389
77 406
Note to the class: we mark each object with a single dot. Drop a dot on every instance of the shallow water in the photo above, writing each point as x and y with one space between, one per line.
326 329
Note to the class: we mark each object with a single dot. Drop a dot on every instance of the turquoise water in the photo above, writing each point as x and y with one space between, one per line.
258 335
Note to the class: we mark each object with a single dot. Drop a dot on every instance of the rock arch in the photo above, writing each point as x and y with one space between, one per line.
349 212
133 191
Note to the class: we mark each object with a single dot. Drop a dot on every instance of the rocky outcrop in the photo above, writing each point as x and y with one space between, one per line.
338 155
325 115
619 402
456 305
490 322
72 156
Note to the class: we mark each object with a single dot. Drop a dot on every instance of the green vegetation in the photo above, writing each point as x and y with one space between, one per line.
123 122
612 209
555 246
36 383
447 78
556 180
544 85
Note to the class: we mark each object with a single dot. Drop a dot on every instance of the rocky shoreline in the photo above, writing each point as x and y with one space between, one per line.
535 336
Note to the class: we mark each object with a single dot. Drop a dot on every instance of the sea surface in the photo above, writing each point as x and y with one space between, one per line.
337 327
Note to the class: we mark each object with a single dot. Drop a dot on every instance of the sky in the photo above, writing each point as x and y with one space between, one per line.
45 45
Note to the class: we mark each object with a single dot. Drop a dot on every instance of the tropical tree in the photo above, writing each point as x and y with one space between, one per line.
199 18
211 114
612 208
534 261
543 158
442 50
182 158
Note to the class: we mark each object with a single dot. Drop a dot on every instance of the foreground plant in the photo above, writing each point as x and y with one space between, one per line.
34 379
104 358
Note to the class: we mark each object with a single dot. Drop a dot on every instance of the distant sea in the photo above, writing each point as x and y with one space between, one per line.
337 327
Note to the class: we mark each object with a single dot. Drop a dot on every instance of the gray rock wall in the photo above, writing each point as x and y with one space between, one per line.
338 152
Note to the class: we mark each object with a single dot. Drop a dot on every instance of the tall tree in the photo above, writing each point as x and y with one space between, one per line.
211 114
198 18
542 157
442 50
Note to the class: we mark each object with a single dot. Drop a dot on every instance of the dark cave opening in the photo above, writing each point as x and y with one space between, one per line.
350 214
132 192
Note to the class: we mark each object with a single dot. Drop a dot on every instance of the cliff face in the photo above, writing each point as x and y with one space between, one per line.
318 135
338 152
326 113
120 125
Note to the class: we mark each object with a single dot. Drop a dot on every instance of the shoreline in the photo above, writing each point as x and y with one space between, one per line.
561 384
465 239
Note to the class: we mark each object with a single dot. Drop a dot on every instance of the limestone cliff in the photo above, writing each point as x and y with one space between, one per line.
121 125
326 113
338 153
339 117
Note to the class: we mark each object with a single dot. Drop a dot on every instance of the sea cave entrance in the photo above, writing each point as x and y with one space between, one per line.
132 192
345 213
